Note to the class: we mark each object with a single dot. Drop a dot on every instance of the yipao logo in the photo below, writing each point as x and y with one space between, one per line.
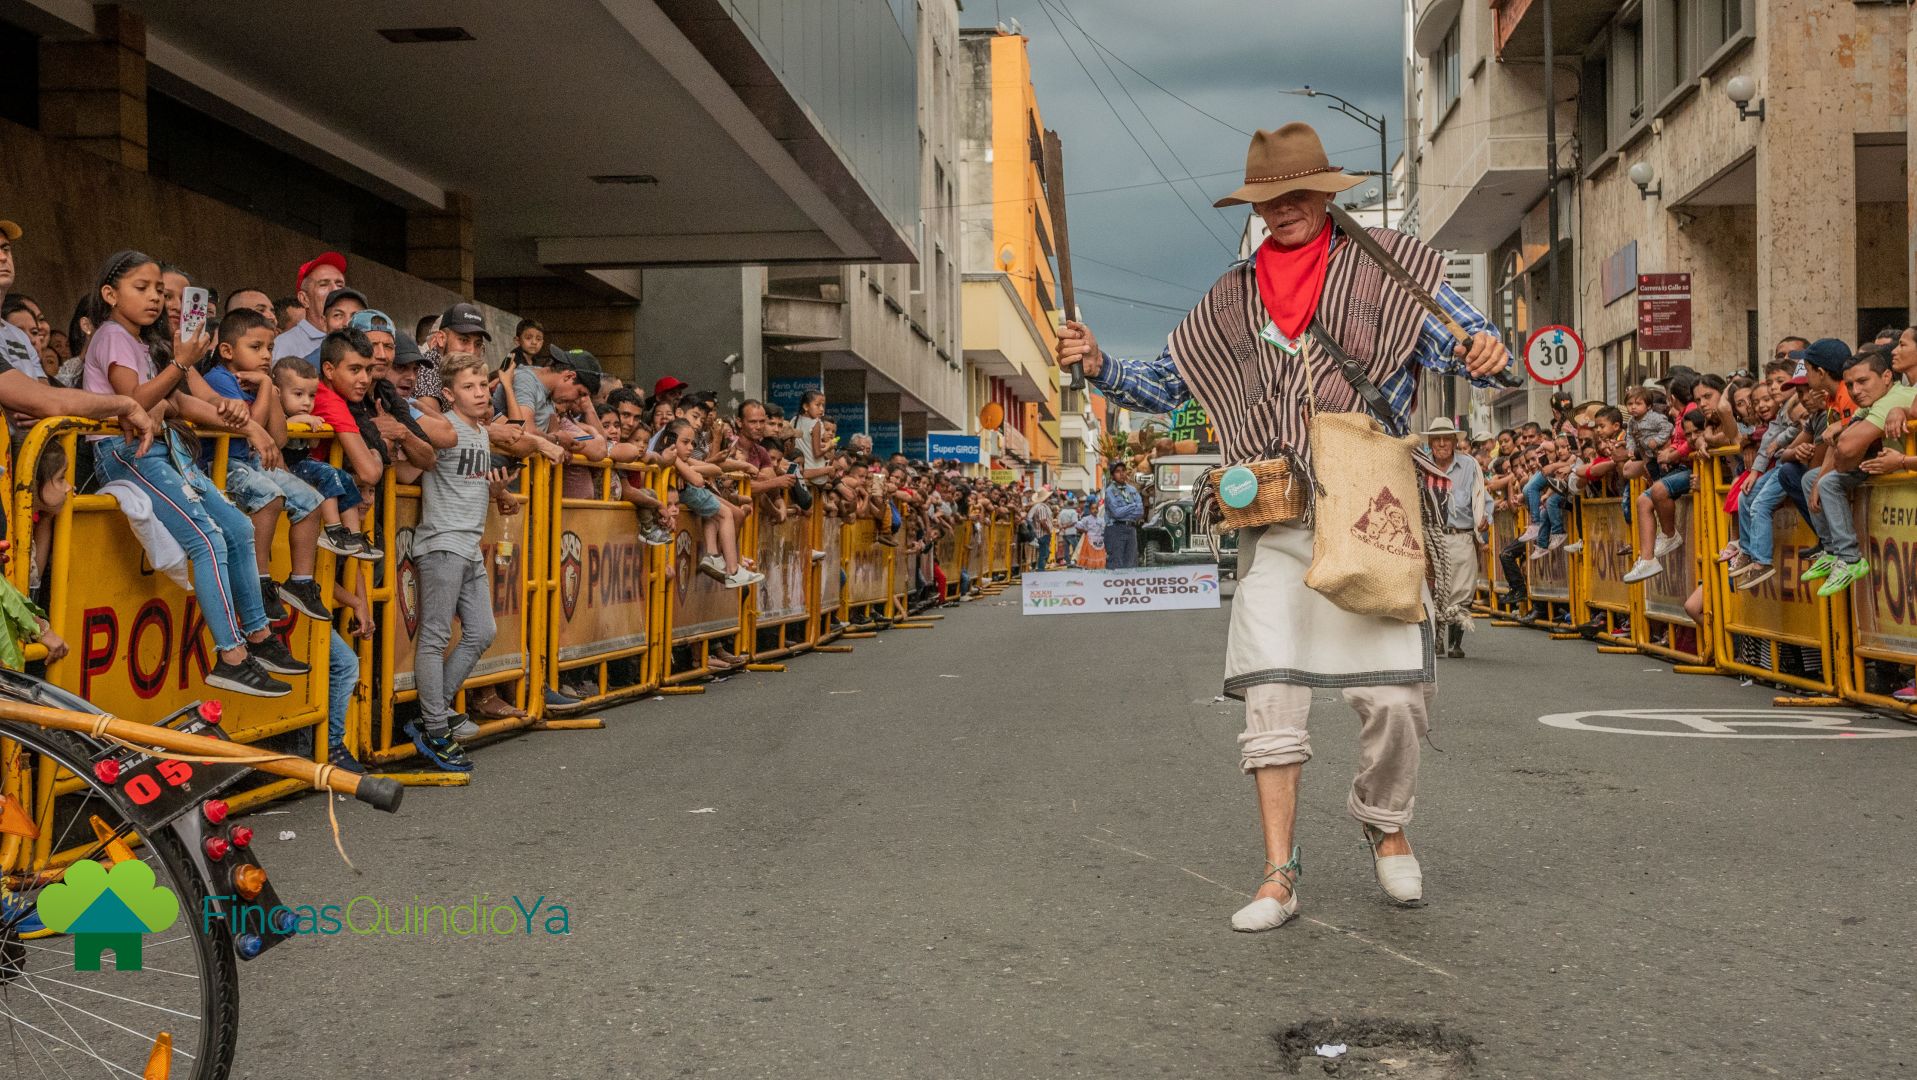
408 590
1205 581
107 911
570 550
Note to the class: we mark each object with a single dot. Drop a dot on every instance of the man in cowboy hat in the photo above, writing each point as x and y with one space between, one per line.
1464 521
1243 353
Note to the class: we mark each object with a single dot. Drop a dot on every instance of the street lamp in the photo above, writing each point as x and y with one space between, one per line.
1375 123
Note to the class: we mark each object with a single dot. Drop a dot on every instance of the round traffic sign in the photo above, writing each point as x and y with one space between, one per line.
1554 354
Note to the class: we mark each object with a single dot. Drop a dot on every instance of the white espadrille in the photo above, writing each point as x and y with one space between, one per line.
1399 875
1265 913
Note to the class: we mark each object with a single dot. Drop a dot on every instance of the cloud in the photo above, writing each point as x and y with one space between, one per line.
1231 58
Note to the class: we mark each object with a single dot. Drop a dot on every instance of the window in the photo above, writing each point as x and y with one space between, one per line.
1594 131
1448 65
1626 77
19 76
1071 452
1718 21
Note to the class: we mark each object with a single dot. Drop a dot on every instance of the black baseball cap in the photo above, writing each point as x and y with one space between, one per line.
578 360
463 318
344 293
1828 355
405 350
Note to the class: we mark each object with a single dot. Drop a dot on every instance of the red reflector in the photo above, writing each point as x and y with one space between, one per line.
215 810
211 711
216 848
242 836
108 771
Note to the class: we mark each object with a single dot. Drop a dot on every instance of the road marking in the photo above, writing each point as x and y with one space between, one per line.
1731 723
1354 935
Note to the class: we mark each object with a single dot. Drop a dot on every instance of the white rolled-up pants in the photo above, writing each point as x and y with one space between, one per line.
1391 720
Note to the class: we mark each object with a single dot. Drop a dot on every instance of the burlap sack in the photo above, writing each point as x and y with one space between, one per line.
1368 543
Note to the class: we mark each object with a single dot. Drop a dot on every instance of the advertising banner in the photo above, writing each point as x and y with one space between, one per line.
1884 604
1783 607
966 449
832 577
603 571
1607 555
702 606
140 648
1664 595
784 555
1085 592
865 572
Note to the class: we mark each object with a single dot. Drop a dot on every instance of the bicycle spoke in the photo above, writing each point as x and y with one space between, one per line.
47 1034
110 1023
130 1001
60 1016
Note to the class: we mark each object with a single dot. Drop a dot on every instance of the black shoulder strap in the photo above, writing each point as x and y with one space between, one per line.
1354 373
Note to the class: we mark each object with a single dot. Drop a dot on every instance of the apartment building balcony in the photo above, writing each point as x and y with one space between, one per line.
1518 25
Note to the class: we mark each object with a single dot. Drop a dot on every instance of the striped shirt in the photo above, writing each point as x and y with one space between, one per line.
1155 385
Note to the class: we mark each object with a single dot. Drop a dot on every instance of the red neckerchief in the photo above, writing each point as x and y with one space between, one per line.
1291 280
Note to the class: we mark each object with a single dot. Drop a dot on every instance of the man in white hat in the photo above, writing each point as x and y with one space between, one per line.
1039 517
1464 522
1244 353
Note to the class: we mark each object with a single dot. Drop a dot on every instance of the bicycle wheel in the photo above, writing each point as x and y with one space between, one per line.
56 1020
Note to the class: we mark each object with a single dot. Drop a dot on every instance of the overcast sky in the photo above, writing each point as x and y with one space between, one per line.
1230 58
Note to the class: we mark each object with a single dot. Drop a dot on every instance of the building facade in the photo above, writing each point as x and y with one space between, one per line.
1790 212
531 156
881 339
1006 250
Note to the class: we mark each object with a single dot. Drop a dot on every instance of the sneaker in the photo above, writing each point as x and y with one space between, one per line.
438 749
1643 570
557 700
1557 541
1754 575
1529 534
1820 569
270 600
367 549
713 562
276 658
1731 551
1740 564
744 578
1623 550
339 758
1906 693
339 540
246 677
654 536
461 727
1539 553
818 556
304 597
1573 549
1843 577
1667 544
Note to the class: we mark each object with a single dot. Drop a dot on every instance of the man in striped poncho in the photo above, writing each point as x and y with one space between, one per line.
1244 353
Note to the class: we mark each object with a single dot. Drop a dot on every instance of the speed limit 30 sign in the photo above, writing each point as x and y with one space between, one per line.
1554 354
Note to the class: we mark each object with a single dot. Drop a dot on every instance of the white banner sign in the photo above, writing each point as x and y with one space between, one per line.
1082 592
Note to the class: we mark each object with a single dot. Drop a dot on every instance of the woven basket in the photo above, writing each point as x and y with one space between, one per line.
1283 494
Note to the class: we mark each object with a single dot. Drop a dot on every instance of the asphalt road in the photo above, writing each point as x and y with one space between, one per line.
1008 847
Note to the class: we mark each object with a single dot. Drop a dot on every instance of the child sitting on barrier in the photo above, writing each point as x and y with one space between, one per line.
298 383
130 355
453 580
346 374
721 536
258 483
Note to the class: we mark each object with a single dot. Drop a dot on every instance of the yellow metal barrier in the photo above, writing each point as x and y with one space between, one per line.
700 609
781 608
1876 620
601 586
1780 631
1606 558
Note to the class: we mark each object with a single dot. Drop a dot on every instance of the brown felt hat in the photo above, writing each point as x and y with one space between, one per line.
1289 159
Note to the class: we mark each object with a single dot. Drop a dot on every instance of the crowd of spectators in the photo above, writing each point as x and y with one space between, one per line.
1821 418
439 407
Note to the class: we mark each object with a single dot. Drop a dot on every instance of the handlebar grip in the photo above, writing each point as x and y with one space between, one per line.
380 792
1509 377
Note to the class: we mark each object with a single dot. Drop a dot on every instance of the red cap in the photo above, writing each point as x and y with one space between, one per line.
327 258
666 386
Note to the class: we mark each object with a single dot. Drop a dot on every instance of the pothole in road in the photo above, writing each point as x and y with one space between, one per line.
1402 1050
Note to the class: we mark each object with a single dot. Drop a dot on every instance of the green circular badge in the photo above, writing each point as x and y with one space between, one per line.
1238 487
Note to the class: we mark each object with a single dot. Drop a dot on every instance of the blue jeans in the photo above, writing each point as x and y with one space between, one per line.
342 674
1534 495
1677 482
212 531
1832 519
1754 509
251 488
1121 546
330 481
1551 521
1044 551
